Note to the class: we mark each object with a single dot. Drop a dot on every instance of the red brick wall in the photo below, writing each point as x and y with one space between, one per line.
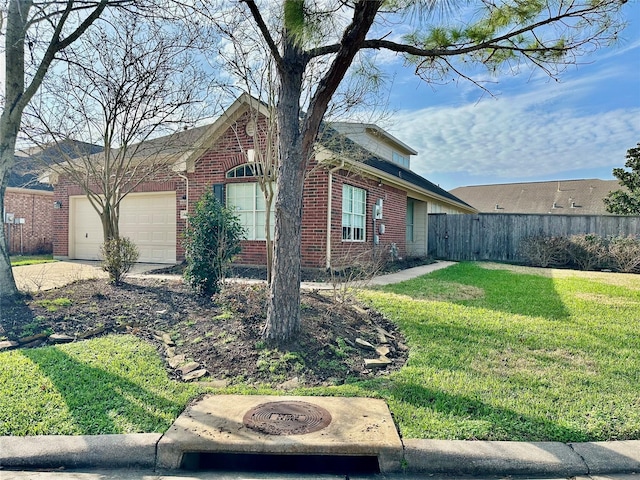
210 169
36 207
228 152
394 219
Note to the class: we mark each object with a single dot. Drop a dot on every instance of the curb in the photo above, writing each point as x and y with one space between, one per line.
450 457
521 458
80 451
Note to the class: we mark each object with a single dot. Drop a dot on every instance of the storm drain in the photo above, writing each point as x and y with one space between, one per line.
283 418
249 462
332 435
287 418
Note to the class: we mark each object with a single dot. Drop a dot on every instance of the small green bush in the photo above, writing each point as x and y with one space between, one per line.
118 256
625 254
211 241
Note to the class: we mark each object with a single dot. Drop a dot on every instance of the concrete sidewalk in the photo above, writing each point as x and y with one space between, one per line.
47 276
142 474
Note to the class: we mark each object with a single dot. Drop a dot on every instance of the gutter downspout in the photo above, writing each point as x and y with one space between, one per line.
329 202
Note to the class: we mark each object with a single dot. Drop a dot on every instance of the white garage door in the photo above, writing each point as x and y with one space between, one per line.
148 219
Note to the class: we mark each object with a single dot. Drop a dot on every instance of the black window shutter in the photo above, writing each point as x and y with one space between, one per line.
218 192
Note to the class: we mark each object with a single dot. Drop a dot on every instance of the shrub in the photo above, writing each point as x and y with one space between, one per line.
589 251
211 241
545 252
118 256
625 254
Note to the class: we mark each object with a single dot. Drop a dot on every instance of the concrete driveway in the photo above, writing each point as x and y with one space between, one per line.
46 276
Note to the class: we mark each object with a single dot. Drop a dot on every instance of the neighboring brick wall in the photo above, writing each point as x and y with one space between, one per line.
36 207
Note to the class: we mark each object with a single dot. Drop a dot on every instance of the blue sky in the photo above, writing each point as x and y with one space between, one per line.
534 128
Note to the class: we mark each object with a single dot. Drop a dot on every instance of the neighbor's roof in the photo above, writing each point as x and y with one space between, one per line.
563 197
31 163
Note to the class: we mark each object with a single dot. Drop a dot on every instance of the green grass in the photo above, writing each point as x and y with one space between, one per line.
494 355
114 384
19 260
523 357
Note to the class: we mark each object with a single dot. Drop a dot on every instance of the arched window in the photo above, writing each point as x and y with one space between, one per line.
245 170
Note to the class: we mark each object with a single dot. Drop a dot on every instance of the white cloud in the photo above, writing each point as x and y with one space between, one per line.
525 135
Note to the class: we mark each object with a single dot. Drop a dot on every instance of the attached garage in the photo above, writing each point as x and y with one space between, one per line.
148 219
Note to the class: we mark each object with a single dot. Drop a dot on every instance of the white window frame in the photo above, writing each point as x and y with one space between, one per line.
249 216
354 214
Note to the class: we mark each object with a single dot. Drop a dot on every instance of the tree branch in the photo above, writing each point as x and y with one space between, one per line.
364 14
273 48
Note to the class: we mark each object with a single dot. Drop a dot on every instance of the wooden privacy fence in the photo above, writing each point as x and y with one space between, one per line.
496 237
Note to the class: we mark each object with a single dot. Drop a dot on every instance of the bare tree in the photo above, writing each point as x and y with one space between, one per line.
124 83
45 29
321 40
265 165
252 72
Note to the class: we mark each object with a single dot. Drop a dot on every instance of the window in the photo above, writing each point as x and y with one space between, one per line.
241 171
354 207
248 201
401 159
410 210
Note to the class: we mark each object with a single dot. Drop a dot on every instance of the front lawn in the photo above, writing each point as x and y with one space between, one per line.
495 354
20 260
501 355
113 384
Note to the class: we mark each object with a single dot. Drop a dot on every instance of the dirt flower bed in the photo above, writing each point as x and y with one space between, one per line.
220 337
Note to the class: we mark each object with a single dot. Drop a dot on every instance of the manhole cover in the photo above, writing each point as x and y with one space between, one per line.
287 418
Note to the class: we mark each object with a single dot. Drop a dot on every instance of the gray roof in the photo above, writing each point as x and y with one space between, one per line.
29 167
563 197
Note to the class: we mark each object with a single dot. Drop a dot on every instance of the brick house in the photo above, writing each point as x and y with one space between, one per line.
29 204
358 196
27 218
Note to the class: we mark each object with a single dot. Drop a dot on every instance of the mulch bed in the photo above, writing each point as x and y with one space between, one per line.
218 337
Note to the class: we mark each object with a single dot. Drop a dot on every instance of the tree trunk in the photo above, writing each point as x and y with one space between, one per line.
267 235
283 312
8 287
296 146
110 222
10 124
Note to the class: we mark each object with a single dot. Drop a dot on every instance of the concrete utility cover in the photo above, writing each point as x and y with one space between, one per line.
287 418
223 424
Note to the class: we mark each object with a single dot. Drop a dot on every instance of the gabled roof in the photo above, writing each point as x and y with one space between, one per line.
563 197
376 131
413 178
391 172
209 134
183 149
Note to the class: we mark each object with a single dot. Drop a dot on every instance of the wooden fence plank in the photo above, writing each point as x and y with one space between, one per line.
497 236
